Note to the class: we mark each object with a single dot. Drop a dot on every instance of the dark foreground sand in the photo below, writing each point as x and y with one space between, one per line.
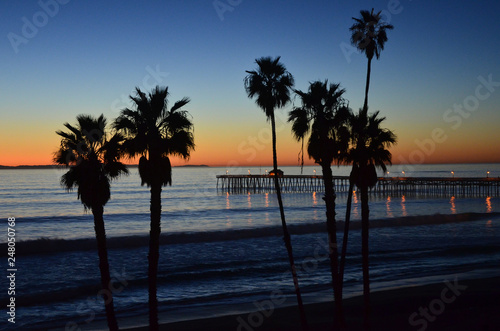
457 305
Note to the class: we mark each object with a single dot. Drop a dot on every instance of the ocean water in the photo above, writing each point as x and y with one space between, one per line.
223 252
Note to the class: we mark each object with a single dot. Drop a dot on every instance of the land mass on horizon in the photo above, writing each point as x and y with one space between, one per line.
58 166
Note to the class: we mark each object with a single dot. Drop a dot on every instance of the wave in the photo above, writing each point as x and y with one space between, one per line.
457 251
49 245
58 295
234 270
478 250
206 212
172 277
90 292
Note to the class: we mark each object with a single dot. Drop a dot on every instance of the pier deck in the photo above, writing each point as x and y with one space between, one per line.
389 185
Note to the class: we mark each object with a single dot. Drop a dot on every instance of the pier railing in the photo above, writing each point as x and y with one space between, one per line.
390 185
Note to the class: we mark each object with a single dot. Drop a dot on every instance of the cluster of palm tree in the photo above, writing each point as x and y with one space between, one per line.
150 131
153 132
334 134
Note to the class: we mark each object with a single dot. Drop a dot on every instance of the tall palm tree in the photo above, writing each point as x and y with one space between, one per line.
154 133
369 35
93 162
369 149
270 84
322 117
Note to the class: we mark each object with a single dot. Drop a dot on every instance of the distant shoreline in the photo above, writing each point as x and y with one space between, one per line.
32 167
53 166
62 167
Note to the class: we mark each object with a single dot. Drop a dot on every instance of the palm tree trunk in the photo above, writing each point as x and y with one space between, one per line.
368 73
107 295
365 213
286 234
332 241
346 235
154 254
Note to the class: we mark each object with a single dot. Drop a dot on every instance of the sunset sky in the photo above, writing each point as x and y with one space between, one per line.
437 81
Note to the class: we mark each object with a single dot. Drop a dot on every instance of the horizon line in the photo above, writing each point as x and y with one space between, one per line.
21 166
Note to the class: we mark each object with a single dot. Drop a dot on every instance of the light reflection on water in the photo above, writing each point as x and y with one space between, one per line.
388 206
266 204
249 201
355 212
315 203
489 208
453 205
403 206
193 204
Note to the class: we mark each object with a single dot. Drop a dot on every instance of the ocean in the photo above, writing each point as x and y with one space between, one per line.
223 253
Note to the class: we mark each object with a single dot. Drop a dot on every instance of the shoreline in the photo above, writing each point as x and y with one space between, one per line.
452 304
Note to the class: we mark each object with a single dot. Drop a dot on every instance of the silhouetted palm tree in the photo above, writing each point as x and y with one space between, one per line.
322 117
154 133
93 162
369 149
369 34
271 84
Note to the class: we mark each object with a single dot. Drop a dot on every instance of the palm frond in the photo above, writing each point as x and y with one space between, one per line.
270 84
322 115
145 171
179 104
152 129
115 169
181 143
92 160
300 122
370 144
125 122
368 33
69 179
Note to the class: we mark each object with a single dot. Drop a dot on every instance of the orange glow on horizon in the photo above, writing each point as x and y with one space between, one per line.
33 156
247 146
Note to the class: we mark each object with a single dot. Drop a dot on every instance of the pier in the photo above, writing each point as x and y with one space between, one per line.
288 183
385 185
473 186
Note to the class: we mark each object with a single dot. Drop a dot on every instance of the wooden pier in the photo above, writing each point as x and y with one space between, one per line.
473 186
288 183
385 185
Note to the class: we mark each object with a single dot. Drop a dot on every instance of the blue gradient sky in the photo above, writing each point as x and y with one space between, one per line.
89 56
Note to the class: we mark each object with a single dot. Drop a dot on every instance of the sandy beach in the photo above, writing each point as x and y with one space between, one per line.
451 305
